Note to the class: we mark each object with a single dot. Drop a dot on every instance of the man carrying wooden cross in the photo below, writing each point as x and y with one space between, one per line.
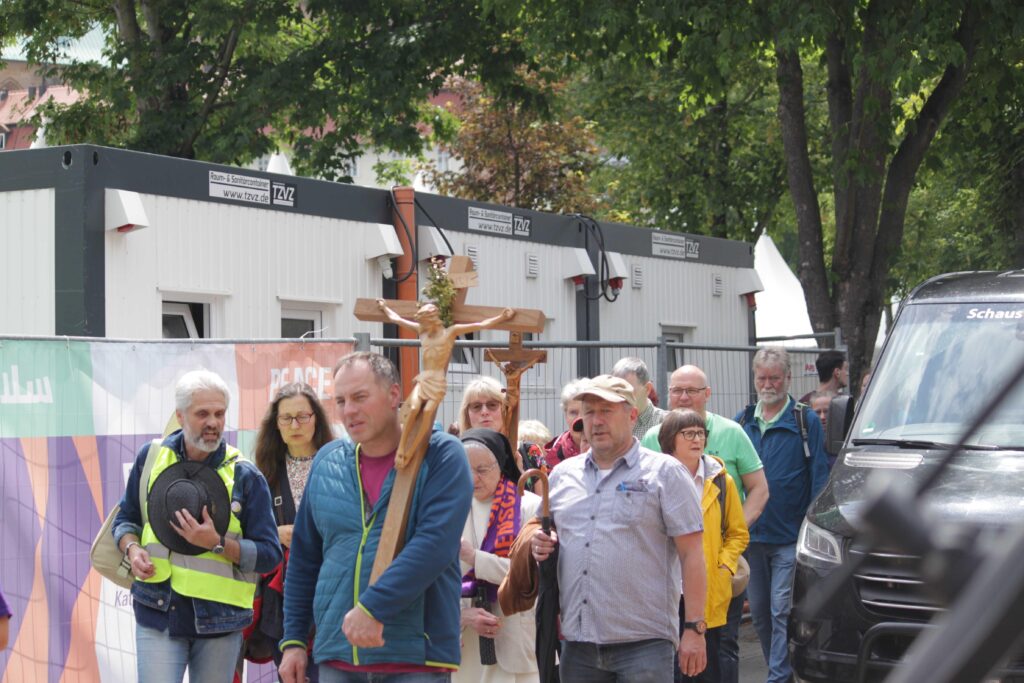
402 618
407 623
437 342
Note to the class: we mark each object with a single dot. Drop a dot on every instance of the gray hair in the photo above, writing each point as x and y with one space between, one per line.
383 369
534 431
569 390
195 381
632 366
771 355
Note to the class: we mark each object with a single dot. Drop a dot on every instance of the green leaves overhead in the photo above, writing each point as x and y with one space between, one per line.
229 81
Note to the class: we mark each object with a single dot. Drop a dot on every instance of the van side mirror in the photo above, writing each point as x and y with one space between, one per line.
840 415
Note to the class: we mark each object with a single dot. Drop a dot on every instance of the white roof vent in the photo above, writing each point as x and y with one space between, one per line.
717 284
473 252
532 265
637 278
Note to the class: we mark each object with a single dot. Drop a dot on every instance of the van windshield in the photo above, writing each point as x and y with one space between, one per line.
942 364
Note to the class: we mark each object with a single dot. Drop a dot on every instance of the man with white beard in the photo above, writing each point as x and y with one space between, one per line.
196 542
789 439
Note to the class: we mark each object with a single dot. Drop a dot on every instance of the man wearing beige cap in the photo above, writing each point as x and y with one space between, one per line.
629 528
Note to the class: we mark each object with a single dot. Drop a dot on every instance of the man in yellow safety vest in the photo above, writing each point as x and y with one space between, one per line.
195 573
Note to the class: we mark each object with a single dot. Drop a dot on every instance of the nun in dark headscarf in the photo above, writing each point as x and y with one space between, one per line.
495 647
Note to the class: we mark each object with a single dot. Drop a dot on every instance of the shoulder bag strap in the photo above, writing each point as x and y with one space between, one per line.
147 470
748 414
721 499
801 421
287 507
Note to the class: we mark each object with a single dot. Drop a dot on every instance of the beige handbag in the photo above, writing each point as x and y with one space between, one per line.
741 578
104 555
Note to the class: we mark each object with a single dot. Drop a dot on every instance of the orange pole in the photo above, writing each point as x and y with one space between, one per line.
405 201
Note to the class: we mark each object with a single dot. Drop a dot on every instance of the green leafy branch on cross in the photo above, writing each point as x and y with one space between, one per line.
440 290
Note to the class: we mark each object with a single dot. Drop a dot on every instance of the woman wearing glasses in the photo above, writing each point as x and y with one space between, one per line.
495 648
683 434
483 405
294 428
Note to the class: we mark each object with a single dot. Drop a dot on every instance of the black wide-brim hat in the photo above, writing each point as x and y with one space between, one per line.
187 485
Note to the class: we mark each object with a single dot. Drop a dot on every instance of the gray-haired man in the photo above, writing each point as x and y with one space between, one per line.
789 439
190 607
635 371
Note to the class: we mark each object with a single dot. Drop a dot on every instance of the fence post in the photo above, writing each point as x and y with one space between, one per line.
663 371
362 341
837 339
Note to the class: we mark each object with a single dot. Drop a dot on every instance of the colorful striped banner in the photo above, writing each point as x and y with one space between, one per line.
73 414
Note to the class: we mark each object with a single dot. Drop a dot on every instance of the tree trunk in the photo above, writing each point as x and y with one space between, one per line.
870 215
811 266
1017 209
718 166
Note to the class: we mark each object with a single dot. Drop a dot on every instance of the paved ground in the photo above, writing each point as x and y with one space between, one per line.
752 666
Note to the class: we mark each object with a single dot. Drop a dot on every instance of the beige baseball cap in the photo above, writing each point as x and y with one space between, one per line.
613 389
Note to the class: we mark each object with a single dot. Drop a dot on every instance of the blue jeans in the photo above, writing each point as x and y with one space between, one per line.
163 659
645 661
729 643
328 674
772 568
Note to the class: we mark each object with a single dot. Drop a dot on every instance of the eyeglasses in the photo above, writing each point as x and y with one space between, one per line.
483 470
692 434
301 418
692 393
492 406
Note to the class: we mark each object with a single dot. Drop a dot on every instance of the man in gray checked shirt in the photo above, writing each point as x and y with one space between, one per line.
627 519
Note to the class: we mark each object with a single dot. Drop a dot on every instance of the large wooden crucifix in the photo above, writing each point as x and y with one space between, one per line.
513 362
420 408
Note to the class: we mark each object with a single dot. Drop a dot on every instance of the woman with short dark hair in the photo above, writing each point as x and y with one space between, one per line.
683 435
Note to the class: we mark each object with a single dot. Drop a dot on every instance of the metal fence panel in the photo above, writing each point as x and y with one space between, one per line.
728 370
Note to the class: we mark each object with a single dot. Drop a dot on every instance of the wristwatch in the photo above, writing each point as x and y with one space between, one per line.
219 548
700 626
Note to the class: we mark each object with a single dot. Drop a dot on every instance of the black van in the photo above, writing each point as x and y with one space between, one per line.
953 343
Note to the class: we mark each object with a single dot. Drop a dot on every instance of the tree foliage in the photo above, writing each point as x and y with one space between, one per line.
229 80
682 156
894 73
882 76
179 78
517 154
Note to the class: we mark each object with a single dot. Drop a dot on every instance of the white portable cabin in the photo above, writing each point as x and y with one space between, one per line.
111 243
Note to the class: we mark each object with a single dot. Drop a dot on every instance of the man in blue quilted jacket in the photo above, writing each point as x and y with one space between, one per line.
406 625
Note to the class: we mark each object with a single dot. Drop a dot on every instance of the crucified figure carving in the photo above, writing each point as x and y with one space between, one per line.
437 343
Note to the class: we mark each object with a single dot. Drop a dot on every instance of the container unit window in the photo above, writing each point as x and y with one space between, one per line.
184 320
677 334
465 359
301 324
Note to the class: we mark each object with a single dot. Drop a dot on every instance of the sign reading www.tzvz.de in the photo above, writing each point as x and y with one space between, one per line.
251 189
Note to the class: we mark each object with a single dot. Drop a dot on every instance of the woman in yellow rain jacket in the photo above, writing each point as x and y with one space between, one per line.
683 434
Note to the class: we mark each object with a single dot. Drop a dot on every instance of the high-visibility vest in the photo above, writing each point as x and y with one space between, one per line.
207 576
